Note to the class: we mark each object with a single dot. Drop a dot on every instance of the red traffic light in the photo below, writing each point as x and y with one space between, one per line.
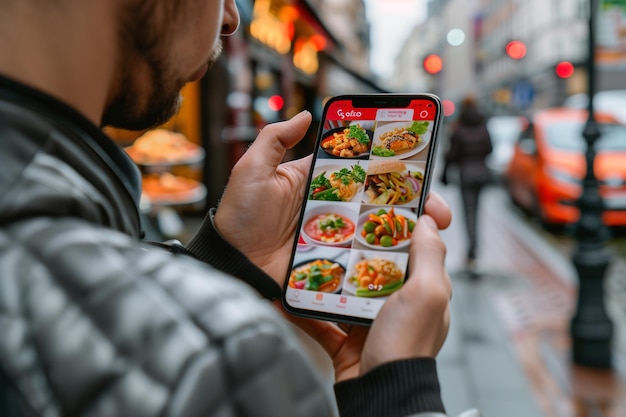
433 64
564 69
275 102
448 107
516 49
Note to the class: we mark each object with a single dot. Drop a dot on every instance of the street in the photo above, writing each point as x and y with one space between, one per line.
508 349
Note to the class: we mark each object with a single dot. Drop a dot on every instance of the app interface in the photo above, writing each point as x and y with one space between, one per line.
361 206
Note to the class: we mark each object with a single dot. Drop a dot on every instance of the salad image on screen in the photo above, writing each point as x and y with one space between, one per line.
337 184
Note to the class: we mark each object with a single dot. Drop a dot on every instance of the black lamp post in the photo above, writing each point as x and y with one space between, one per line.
591 328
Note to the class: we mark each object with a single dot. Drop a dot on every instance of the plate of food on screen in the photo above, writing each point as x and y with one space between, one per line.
337 182
400 139
393 182
386 228
329 224
375 275
324 275
351 141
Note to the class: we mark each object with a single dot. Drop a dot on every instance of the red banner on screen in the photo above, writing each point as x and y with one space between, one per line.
417 110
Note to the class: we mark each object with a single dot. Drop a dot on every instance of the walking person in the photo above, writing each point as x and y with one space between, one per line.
469 145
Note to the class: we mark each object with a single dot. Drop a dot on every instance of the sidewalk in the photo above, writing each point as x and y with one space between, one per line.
507 353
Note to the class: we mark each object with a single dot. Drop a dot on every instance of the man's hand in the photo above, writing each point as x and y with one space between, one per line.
258 213
413 322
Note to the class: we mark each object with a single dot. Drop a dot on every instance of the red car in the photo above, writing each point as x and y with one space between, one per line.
545 173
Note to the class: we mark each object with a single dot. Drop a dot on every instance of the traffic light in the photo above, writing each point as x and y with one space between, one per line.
564 69
275 102
433 64
448 107
515 49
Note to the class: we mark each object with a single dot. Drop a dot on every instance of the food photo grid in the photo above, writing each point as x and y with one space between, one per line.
360 212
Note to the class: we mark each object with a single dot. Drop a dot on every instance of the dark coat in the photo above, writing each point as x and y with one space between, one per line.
95 322
470 144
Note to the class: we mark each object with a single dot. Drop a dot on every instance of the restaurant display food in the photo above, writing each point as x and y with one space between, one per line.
167 188
162 146
167 160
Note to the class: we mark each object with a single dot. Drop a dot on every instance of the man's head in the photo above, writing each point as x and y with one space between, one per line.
162 45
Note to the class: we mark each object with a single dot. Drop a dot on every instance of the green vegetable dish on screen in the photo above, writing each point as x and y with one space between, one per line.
340 185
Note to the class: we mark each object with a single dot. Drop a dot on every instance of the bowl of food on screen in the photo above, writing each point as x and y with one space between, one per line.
386 228
400 139
336 183
324 275
329 225
347 142
391 182
375 277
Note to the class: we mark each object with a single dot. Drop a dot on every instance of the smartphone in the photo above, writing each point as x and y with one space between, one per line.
370 175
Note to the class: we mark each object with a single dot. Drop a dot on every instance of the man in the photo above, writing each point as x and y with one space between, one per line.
94 321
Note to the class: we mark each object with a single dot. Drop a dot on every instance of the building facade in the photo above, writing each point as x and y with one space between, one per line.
552 32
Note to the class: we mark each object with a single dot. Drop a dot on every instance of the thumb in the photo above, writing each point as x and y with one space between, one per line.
274 139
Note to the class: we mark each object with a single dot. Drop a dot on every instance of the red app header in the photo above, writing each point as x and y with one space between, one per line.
417 110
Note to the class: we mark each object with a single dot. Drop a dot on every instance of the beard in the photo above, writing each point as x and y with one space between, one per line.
146 103
132 110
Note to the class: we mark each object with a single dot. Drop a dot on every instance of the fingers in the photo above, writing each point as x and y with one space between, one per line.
291 131
438 209
414 321
274 139
329 336
347 361
343 346
424 300
428 260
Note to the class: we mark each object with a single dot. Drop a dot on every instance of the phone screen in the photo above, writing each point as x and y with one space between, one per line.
371 171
